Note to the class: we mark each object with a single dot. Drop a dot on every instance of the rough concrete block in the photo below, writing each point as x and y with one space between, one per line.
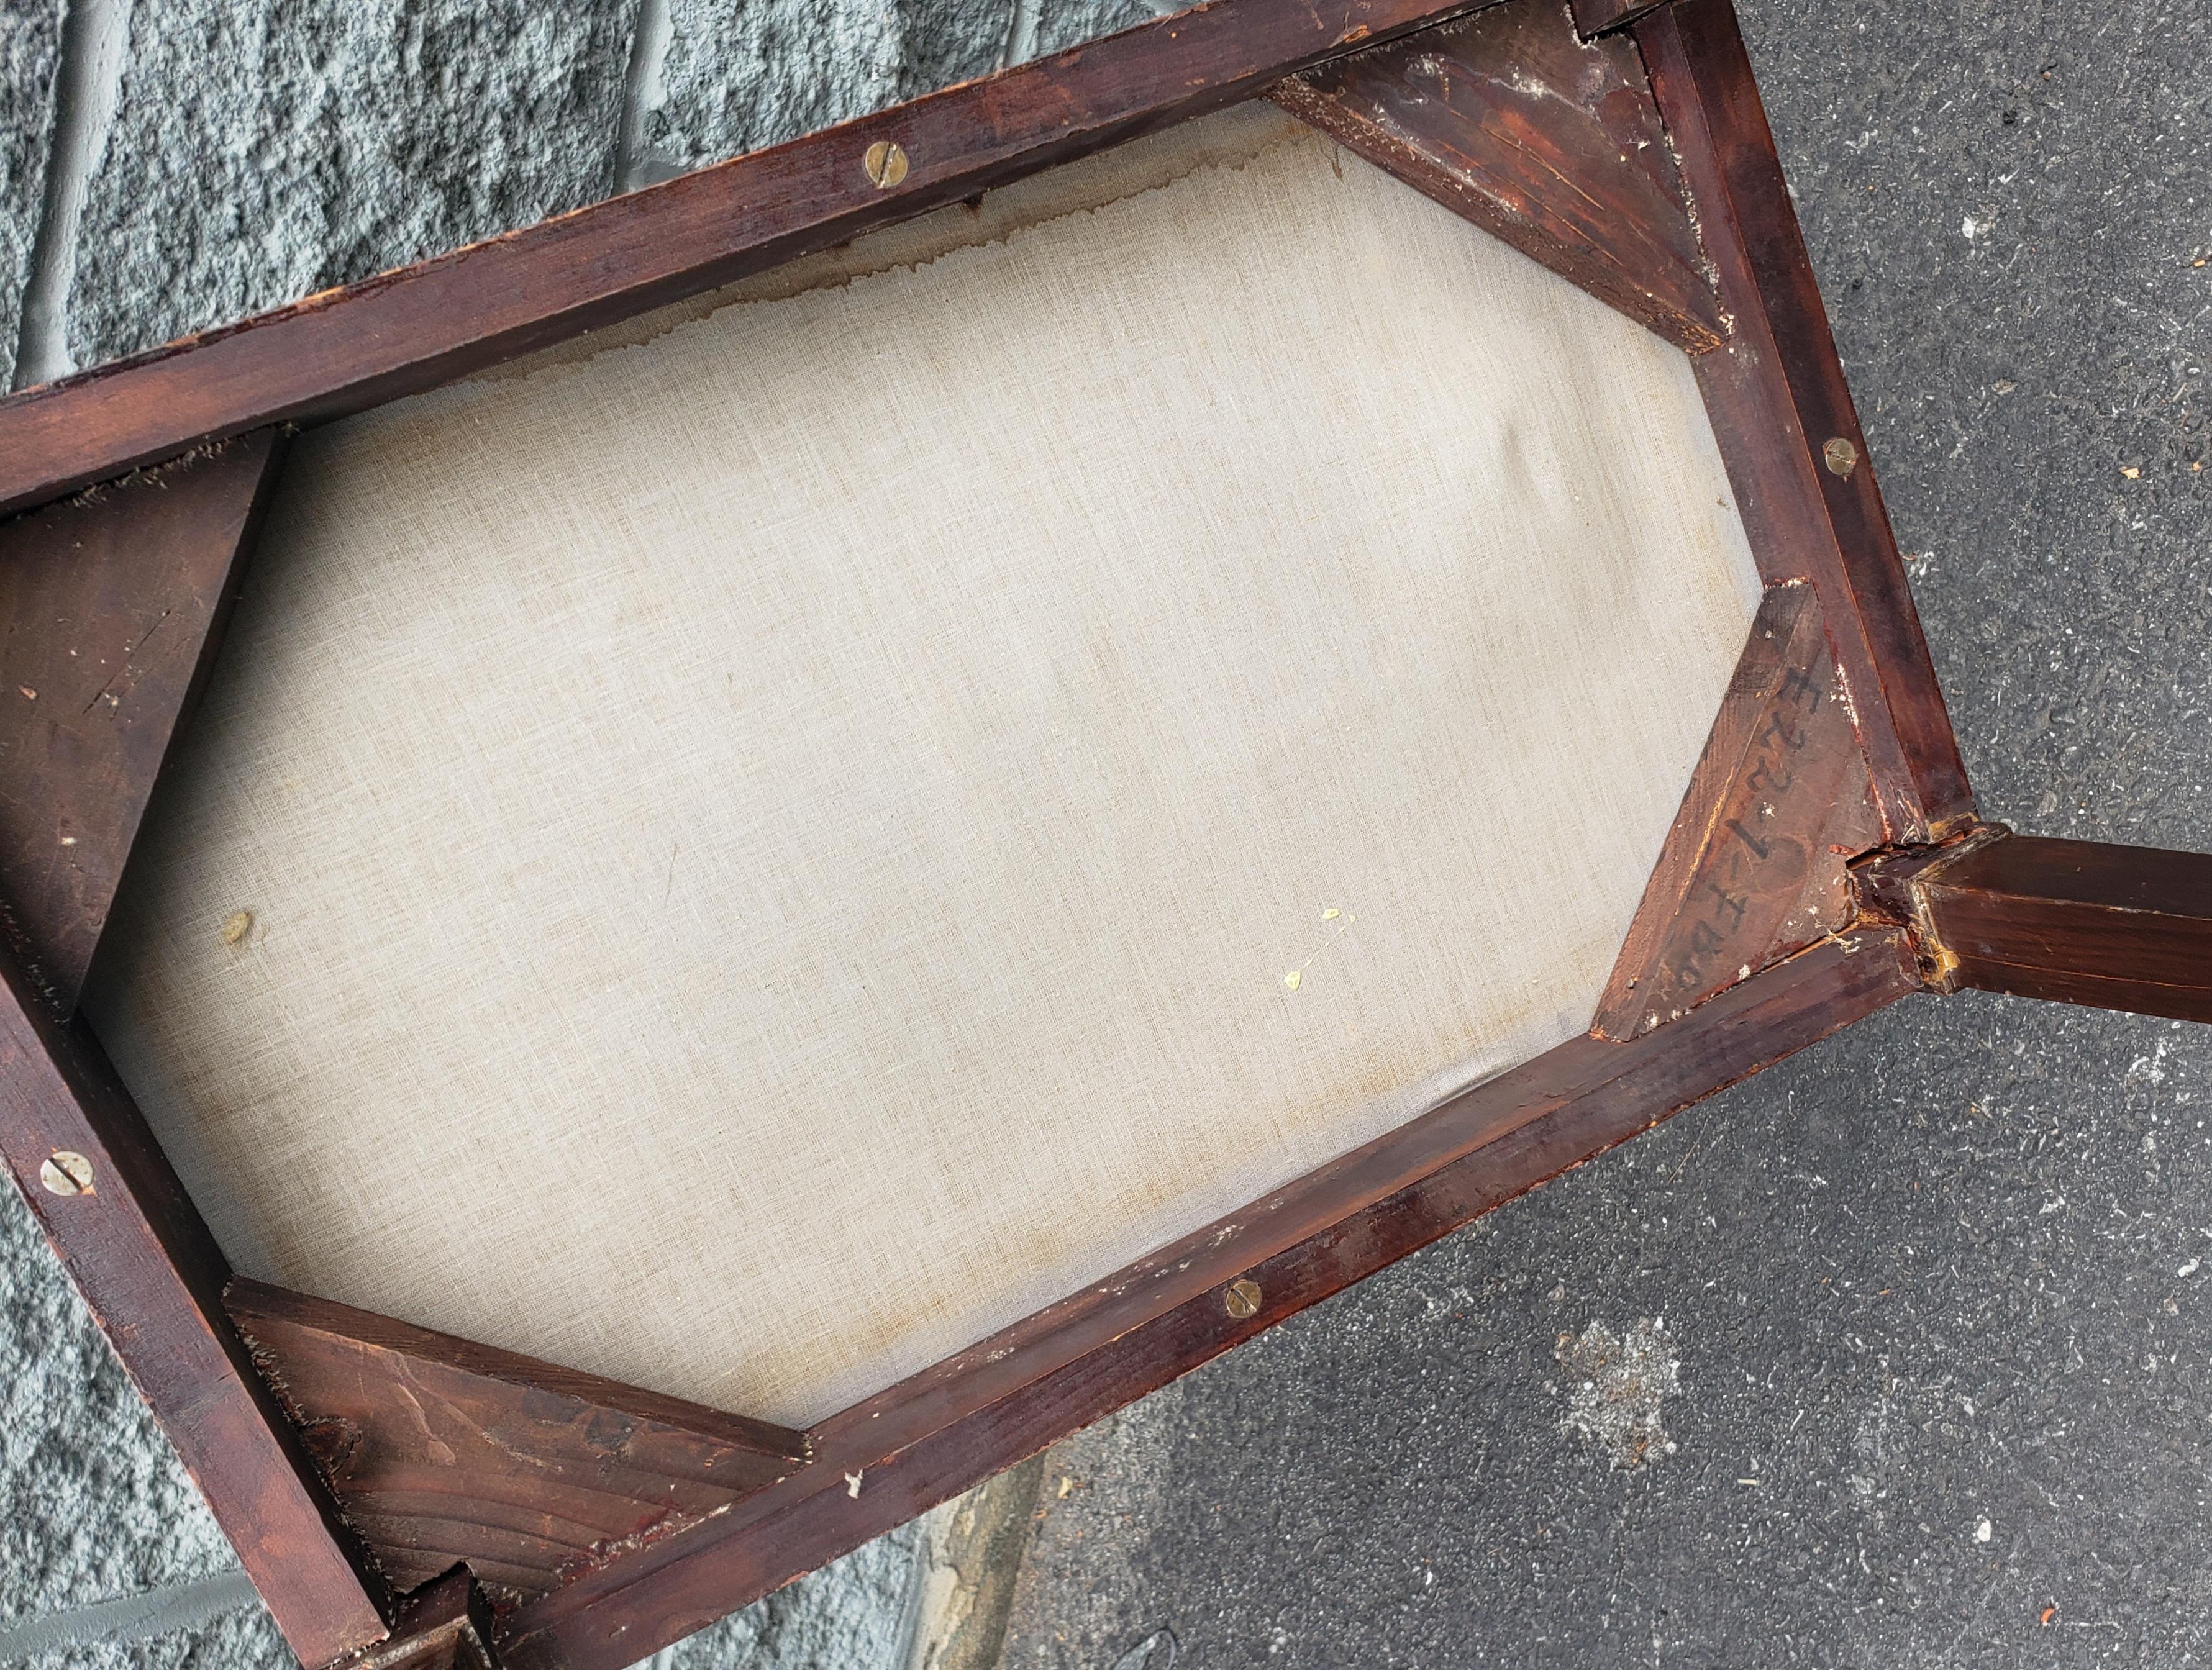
949 41
94 1504
739 77
1064 23
262 150
30 49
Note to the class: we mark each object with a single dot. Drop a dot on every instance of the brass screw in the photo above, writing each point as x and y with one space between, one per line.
885 163
66 1173
1841 458
1243 1297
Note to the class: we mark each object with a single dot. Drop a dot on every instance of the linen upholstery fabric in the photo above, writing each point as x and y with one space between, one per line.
778 847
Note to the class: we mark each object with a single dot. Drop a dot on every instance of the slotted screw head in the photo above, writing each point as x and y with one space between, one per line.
1243 1298
1841 458
885 162
66 1173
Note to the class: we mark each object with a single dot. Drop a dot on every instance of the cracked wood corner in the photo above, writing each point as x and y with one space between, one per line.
1888 884
446 1624
1754 867
2071 921
439 1450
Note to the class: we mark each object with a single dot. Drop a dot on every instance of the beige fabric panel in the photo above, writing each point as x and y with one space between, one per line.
779 847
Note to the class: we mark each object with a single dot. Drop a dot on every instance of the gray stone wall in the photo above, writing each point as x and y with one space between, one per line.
170 165
265 149
94 1506
30 50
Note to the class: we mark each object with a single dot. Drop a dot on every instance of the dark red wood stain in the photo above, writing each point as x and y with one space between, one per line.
882 1461
1595 17
153 1278
1552 144
111 606
1754 868
1777 397
442 1450
2075 921
444 1625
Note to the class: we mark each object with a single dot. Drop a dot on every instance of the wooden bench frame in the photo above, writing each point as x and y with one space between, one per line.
1828 860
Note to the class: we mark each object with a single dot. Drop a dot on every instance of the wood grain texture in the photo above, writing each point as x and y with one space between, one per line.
882 1461
1882 882
1596 17
446 1625
111 605
412 329
2075 921
1549 142
442 1450
1753 869
152 1277
1776 396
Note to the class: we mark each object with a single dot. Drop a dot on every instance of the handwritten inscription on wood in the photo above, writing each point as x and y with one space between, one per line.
1753 870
